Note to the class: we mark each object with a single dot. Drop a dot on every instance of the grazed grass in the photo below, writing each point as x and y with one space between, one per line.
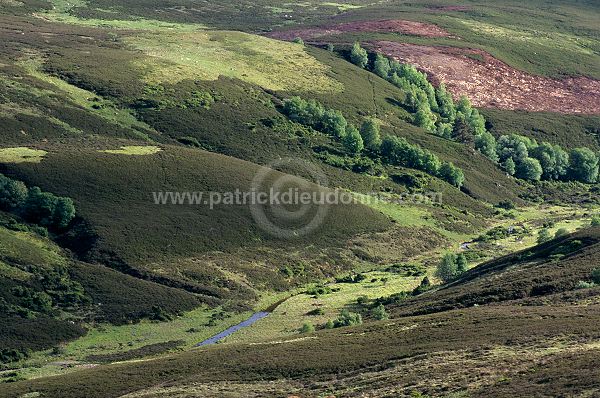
21 155
62 11
26 248
556 40
134 150
289 317
86 99
269 63
191 328
13 272
343 7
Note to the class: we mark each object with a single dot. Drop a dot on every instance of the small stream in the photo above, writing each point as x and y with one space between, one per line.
217 337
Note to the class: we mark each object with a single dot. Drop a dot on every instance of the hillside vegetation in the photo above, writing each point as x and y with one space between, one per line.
128 127
516 343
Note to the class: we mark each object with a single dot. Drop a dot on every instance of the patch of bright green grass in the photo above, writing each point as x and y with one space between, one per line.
21 155
84 98
288 318
269 63
13 272
62 12
26 248
134 150
559 41
191 328
343 7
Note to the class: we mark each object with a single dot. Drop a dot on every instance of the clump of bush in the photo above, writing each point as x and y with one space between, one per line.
500 232
378 312
406 269
317 291
352 278
585 285
316 311
593 282
346 318
526 159
393 299
43 208
399 152
307 328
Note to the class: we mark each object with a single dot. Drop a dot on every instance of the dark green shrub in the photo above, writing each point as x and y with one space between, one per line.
596 276
423 287
379 312
12 193
347 318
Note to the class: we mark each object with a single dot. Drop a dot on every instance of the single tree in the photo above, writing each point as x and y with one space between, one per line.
583 165
359 56
12 193
381 66
423 287
529 169
379 312
333 123
447 268
352 141
462 265
370 133
486 144
425 119
462 130
553 159
510 166
63 213
446 105
452 174
595 221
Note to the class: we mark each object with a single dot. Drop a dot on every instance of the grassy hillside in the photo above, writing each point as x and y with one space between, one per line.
113 193
549 269
109 102
46 296
499 348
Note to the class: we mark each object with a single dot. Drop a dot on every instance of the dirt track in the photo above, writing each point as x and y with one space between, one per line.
491 83
388 26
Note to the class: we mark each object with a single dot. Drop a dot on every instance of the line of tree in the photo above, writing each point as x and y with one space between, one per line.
393 150
435 111
43 208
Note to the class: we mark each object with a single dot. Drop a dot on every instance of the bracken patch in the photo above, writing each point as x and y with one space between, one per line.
491 83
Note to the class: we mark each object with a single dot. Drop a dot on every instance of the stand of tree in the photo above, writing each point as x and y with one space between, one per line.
43 208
